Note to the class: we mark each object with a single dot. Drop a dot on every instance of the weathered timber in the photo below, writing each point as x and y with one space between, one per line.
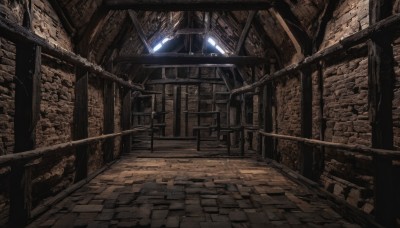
109 104
139 30
80 123
268 147
191 31
245 31
380 96
17 33
354 149
190 66
27 112
182 5
163 103
126 121
65 20
187 110
59 148
181 81
350 41
179 59
306 152
177 111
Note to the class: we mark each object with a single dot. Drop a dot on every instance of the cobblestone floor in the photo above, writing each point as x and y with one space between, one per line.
191 192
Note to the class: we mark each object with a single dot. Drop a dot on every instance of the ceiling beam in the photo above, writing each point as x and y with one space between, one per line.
184 5
189 65
180 59
180 81
139 29
245 32
64 18
190 31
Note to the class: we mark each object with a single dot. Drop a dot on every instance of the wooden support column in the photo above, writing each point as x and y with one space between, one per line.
380 83
187 111
27 111
306 151
163 102
109 104
80 125
177 111
267 110
126 121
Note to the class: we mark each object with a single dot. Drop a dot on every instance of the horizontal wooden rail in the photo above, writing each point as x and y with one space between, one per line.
17 33
393 154
342 45
32 154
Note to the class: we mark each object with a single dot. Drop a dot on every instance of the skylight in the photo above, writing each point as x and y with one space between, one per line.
214 44
160 45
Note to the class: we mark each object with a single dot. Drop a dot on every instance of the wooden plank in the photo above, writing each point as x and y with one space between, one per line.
191 31
109 104
139 30
380 96
163 103
65 20
268 147
189 66
245 32
306 152
183 5
387 24
27 111
187 111
17 33
80 124
177 111
126 121
179 59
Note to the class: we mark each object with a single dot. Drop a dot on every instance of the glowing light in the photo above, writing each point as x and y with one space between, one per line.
157 47
211 41
220 49
165 40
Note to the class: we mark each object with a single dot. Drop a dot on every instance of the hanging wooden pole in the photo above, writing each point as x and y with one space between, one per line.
380 96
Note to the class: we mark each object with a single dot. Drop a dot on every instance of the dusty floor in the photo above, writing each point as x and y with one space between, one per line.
165 189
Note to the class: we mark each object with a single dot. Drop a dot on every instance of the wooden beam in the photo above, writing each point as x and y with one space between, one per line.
126 121
191 31
179 59
88 34
357 38
27 114
177 111
323 21
183 5
80 124
64 18
306 152
190 66
245 31
181 81
17 33
268 148
380 95
60 148
109 105
139 30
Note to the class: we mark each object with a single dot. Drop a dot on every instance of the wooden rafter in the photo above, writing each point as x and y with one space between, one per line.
176 59
139 30
183 5
245 32
64 18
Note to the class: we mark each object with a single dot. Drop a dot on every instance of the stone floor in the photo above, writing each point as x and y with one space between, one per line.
168 191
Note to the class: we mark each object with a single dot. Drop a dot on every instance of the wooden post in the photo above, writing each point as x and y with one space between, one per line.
320 164
126 123
380 83
177 111
260 120
152 116
80 126
268 150
109 103
306 151
27 111
187 111
163 109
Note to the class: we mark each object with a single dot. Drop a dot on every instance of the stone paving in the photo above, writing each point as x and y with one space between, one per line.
192 193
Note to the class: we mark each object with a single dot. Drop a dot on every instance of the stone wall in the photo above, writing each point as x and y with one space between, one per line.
288 97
